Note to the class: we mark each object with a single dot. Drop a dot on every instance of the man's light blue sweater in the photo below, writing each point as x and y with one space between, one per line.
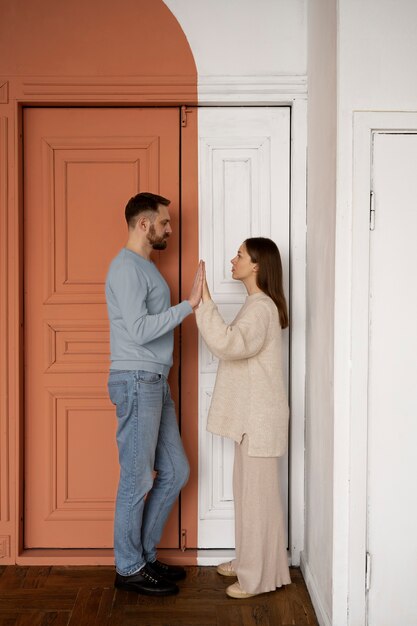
142 320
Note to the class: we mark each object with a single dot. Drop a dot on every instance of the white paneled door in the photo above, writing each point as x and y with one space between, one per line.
392 398
244 182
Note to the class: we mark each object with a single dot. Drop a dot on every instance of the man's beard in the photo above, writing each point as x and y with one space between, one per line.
158 243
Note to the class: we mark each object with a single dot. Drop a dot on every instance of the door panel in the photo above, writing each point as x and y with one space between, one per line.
244 174
392 399
80 168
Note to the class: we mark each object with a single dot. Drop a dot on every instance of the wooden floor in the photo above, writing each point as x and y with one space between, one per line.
81 596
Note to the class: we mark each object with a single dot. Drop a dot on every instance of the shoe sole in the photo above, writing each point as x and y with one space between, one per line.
222 572
240 596
144 592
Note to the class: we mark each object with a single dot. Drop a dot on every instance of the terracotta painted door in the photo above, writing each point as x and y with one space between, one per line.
81 165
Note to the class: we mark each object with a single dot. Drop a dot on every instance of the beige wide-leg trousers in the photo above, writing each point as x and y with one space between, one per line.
261 562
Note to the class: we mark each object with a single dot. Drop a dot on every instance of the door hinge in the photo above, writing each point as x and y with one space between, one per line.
372 211
184 111
368 572
183 539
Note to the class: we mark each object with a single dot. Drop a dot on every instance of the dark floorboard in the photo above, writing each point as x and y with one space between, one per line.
85 596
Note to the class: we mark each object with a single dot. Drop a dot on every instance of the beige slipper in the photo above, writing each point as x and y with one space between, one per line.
235 591
226 569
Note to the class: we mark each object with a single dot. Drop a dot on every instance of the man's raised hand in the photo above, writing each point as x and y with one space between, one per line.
197 288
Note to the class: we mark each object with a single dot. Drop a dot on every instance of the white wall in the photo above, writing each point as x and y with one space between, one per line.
244 37
253 52
377 52
321 201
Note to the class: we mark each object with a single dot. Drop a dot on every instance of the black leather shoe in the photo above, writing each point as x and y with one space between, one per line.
169 572
146 582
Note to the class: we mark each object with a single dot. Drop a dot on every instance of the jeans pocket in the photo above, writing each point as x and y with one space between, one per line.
118 396
149 378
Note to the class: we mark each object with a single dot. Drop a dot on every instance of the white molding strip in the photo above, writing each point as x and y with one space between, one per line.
267 89
214 557
313 589
298 250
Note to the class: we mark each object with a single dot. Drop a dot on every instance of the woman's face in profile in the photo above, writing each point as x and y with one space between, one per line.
242 266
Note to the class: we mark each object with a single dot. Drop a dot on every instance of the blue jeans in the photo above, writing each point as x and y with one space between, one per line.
148 439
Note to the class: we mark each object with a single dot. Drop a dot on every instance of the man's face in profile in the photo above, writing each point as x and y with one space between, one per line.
160 229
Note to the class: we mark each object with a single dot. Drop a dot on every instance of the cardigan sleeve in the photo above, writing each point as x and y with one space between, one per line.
240 340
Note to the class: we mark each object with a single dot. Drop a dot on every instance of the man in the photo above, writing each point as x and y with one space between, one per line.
142 322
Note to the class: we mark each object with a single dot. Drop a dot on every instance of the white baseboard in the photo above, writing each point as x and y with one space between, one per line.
214 557
313 589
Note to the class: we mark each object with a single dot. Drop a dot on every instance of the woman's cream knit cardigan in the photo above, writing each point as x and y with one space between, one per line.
249 395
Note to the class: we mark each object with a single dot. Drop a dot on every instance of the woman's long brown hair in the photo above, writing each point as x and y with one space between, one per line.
265 253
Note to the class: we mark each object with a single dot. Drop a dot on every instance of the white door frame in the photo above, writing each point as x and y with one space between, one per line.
351 468
281 91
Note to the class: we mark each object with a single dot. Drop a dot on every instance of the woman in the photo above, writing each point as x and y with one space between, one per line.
250 405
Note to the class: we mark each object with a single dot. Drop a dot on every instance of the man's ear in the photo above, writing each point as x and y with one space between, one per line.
142 223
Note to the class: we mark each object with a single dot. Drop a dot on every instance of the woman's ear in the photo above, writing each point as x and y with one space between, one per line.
256 268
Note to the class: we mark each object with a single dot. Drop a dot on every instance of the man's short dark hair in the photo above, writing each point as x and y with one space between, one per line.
140 203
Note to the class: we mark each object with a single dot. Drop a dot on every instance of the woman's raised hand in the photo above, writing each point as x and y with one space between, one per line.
206 291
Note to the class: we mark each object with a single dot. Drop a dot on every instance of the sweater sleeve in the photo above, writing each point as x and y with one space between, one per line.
240 340
130 289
